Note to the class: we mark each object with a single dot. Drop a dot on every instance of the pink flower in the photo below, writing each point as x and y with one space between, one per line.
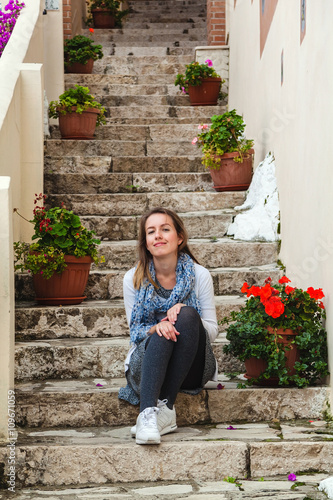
183 90
195 140
203 126
292 477
209 63
231 428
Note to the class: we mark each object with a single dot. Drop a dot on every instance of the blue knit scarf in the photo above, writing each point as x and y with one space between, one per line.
148 302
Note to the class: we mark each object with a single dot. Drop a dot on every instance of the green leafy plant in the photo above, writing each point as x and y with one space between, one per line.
224 135
58 232
112 6
194 74
77 99
80 49
280 306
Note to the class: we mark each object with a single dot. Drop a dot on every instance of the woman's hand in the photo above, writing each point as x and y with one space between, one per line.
167 330
173 312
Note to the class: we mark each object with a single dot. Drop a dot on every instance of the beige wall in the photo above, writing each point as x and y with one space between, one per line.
293 120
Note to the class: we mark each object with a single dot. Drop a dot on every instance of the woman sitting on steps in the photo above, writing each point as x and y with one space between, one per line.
169 302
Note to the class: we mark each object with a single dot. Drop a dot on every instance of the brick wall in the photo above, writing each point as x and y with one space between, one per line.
67 16
216 24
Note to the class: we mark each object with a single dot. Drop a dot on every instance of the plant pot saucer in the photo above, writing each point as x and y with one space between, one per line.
235 187
60 301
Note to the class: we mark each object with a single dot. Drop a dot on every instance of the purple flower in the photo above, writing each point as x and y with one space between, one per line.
220 386
99 385
292 477
209 63
231 428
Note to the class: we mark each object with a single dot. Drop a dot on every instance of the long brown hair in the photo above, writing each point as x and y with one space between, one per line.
142 270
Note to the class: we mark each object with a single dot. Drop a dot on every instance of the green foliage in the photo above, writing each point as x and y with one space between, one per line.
290 308
194 74
58 232
80 49
232 480
112 6
225 135
79 98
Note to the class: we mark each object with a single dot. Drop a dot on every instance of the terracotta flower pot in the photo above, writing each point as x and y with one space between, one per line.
78 125
255 367
232 175
103 19
79 68
67 287
205 94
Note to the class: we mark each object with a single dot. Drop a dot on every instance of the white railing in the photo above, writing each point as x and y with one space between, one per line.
31 64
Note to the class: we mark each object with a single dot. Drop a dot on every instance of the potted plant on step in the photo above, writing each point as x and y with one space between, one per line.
60 257
201 83
78 112
279 334
105 14
80 54
226 152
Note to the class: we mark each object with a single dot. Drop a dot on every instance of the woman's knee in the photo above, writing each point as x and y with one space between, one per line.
188 316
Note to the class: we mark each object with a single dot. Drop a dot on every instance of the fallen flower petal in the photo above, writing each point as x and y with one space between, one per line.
220 386
99 385
231 428
292 477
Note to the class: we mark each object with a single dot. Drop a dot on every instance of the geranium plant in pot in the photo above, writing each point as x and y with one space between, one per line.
105 14
280 334
60 256
78 112
80 54
226 152
201 83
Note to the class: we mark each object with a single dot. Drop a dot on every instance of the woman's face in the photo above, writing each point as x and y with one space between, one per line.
161 236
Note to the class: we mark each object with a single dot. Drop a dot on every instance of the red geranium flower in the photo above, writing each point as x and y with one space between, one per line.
315 294
245 288
284 279
274 307
289 289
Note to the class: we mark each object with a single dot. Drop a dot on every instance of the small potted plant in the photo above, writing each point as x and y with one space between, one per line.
226 152
105 14
80 54
201 83
60 257
78 112
279 334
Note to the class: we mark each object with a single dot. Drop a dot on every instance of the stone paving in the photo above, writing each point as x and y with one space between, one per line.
279 488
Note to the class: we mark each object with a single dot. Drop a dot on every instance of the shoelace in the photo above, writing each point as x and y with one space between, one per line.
148 415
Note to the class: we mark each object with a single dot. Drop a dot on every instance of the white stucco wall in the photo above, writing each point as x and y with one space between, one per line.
293 121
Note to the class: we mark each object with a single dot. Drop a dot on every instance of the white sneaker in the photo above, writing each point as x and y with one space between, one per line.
166 419
146 425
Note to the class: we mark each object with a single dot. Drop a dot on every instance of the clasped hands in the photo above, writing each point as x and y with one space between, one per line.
166 328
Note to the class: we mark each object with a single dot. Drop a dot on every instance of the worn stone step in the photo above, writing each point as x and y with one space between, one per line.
199 225
140 115
165 132
132 48
156 32
130 65
80 403
106 164
167 18
267 487
101 319
69 358
105 89
108 283
138 203
118 78
130 24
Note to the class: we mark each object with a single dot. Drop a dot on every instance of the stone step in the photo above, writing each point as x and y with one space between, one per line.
138 203
134 49
147 133
106 89
108 283
143 115
106 164
126 183
130 24
80 403
97 319
146 65
118 78
77 358
156 32
164 5
167 18
278 487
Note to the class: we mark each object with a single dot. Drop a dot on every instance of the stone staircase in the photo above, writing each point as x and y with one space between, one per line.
71 430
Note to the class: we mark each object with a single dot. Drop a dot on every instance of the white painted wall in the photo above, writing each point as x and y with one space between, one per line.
292 120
